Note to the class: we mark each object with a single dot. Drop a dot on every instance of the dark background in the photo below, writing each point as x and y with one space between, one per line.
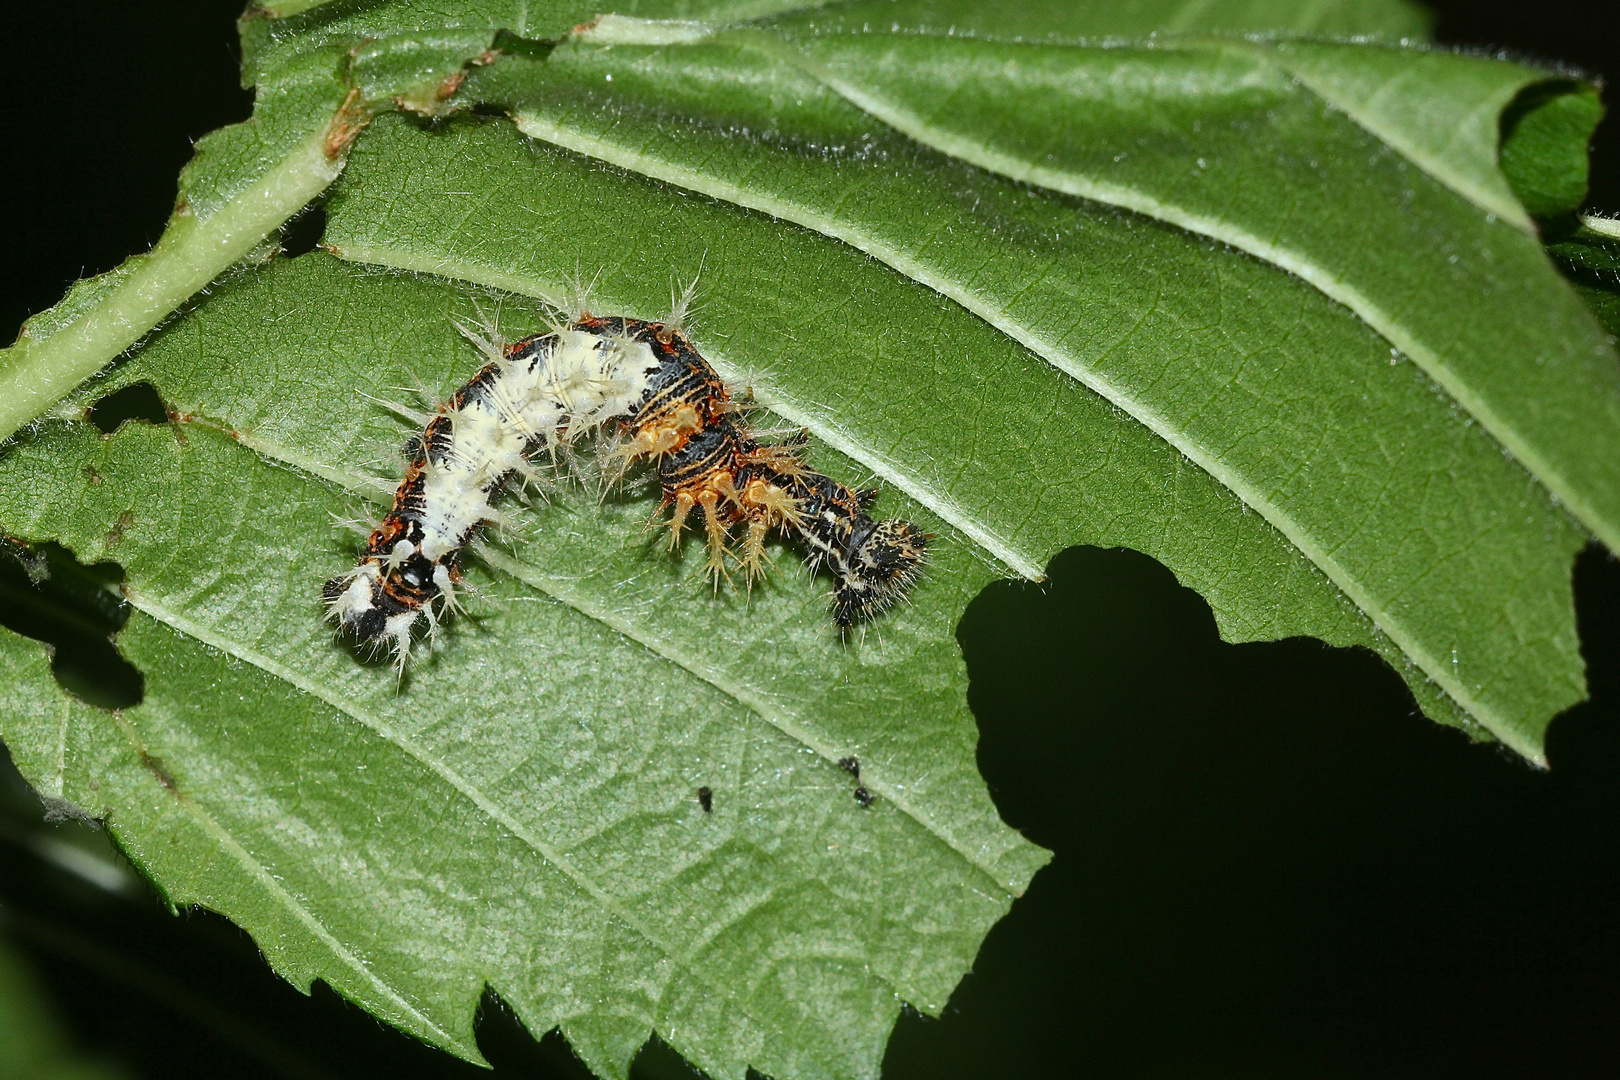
1267 864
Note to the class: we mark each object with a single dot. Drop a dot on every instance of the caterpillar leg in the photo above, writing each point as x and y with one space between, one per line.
716 529
654 439
767 506
753 557
683 504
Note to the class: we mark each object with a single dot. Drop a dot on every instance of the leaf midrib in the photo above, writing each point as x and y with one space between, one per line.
785 721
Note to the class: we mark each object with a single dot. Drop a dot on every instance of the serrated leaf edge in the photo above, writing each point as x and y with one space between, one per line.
258 870
468 790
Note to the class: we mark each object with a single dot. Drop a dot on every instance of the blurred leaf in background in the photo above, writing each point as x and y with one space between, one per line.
34 1045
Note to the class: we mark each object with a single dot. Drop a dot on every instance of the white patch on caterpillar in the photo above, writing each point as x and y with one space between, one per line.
550 392
547 395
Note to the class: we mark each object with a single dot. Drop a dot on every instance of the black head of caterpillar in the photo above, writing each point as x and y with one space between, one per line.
646 380
873 562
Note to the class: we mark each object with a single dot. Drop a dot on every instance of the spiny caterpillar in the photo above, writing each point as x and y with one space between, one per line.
646 383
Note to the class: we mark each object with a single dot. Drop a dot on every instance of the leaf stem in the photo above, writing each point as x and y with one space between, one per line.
35 373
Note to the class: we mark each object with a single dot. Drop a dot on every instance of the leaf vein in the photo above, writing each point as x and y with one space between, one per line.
781 719
256 868
1383 618
449 775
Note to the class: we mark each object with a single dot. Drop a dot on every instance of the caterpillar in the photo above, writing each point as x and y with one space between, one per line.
646 382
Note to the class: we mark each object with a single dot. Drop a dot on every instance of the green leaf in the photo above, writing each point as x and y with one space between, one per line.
1142 316
534 782
32 1043
1218 139
1590 258
1544 137
902 215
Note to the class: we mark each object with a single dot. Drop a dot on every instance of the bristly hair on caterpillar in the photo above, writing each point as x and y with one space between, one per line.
645 383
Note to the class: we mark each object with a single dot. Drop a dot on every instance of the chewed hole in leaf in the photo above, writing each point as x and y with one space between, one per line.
49 595
137 401
1547 168
1597 613
1113 621
1200 795
302 234
517 45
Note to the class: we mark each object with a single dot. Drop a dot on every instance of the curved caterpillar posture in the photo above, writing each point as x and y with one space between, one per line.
647 380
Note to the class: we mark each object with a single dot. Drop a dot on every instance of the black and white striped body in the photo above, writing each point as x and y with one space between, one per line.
647 380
